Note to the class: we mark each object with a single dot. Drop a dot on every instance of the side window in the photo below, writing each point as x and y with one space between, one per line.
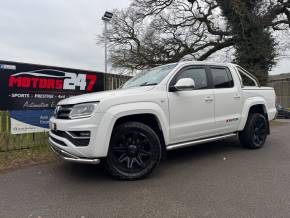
246 79
221 78
197 74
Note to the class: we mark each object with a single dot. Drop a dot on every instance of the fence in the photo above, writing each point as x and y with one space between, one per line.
10 142
281 84
113 81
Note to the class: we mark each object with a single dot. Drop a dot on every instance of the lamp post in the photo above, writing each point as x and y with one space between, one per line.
106 18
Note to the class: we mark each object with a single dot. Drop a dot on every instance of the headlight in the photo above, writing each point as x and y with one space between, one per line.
83 110
56 110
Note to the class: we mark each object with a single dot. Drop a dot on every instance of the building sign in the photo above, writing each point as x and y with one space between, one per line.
30 92
34 87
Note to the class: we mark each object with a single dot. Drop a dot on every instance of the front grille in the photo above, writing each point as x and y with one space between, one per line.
63 111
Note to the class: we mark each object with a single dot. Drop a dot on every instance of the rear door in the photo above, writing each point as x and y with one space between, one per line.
191 111
228 101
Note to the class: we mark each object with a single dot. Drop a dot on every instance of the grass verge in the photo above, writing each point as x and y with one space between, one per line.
21 158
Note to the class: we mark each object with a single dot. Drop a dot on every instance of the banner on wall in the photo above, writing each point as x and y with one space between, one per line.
34 87
30 92
29 121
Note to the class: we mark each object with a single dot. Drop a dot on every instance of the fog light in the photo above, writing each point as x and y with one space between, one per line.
85 134
80 134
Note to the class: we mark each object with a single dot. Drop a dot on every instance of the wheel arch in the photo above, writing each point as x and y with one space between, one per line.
148 113
148 119
253 105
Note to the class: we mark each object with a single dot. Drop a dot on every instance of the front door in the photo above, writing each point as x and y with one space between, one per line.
191 111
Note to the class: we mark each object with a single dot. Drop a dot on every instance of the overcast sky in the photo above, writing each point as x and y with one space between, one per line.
60 32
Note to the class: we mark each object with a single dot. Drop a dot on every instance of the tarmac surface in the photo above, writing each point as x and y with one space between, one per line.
219 179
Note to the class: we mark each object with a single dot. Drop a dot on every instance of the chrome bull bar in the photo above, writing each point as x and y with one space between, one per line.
69 157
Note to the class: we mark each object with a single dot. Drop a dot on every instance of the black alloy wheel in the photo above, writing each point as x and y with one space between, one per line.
134 151
260 131
255 132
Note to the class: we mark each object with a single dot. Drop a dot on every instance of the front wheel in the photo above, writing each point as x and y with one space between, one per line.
134 151
255 132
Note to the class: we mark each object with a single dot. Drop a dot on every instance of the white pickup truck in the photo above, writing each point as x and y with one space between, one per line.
168 107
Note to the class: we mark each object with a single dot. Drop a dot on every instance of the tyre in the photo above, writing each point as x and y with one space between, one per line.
134 151
255 132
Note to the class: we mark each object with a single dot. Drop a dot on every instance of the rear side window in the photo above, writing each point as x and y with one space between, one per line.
247 78
222 78
197 74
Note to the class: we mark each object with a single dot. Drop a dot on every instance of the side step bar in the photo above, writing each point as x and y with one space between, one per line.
199 141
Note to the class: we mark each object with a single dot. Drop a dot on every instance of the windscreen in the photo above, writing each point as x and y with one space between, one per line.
150 77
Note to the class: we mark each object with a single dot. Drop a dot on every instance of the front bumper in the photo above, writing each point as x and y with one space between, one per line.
100 126
55 147
90 149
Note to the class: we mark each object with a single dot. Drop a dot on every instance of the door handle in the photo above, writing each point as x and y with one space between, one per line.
237 97
208 99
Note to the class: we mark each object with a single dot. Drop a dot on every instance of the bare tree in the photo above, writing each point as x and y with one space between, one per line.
154 32
141 40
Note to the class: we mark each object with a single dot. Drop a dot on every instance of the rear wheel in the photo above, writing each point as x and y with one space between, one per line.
134 151
255 133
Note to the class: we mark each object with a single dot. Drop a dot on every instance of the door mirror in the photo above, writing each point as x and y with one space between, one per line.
184 84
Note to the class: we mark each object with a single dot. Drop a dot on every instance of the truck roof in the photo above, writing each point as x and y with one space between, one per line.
205 63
